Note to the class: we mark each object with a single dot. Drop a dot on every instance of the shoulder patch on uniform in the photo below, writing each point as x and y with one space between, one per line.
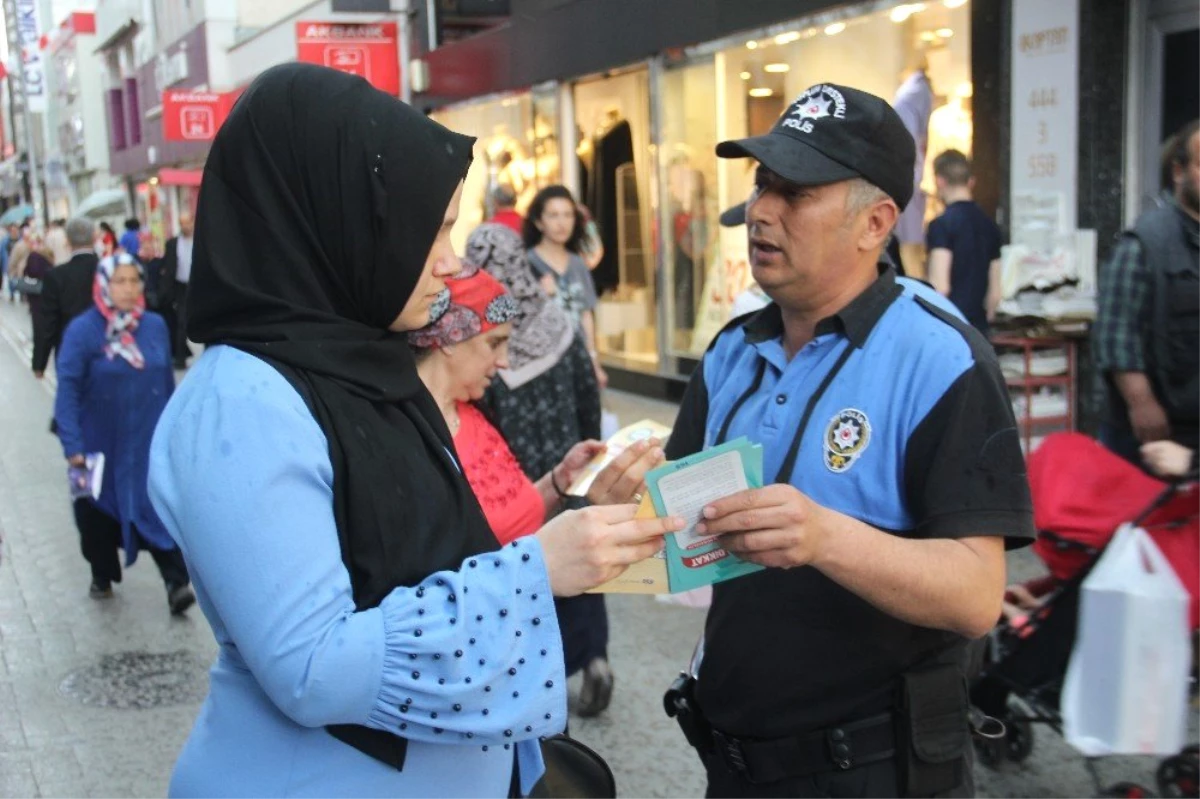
846 438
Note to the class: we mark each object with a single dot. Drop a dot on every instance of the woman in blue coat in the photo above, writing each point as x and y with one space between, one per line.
114 379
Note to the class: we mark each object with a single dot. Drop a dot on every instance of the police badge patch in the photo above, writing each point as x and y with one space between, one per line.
846 438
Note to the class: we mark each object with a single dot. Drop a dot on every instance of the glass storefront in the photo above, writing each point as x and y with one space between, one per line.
919 60
646 170
616 183
516 146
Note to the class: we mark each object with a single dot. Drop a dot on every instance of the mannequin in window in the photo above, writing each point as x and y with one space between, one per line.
612 148
689 236
950 128
914 103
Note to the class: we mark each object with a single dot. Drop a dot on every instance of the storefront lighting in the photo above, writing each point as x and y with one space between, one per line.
902 12
745 76
761 91
809 33
153 181
954 3
777 67
787 38
751 45
928 36
835 28
945 33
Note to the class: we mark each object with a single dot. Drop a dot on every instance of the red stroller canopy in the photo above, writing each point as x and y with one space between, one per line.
1083 493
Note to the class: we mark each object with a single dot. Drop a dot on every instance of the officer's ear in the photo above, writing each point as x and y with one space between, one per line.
878 220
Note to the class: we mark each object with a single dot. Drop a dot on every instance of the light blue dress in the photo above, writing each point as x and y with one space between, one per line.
467 666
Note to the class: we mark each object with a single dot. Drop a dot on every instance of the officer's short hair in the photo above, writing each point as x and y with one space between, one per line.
81 232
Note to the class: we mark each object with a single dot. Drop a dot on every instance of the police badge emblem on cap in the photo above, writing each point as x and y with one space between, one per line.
818 102
846 438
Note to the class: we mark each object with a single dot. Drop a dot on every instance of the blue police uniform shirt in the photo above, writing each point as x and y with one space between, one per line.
906 425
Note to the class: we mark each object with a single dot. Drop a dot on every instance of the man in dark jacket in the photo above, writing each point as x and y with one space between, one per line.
1146 338
66 292
173 288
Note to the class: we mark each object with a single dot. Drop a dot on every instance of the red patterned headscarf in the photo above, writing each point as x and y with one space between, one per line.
473 303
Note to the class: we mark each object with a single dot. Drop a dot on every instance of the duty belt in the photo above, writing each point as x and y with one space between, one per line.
842 747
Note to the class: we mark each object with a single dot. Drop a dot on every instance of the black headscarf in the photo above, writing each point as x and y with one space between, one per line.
320 202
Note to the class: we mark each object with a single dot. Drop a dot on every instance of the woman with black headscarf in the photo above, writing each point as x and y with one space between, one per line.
373 640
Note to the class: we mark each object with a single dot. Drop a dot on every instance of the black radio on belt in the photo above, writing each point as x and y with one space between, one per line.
680 703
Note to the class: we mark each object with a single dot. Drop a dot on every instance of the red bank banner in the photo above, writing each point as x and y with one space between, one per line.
368 50
194 116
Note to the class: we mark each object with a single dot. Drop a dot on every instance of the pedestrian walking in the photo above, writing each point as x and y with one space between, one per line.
37 268
504 199
177 271
544 401
554 232
373 639
1146 339
131 240
106 240
67 291
56 240
18 257
114 379
12 235
963 244
895 481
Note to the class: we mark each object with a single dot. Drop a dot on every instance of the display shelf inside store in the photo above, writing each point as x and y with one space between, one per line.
1027 386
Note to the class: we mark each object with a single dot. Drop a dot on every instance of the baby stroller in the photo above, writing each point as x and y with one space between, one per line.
1081 494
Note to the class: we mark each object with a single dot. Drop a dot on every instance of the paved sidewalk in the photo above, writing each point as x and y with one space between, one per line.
96 698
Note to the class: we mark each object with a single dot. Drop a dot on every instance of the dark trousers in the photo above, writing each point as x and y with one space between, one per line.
873 779
583 621
179 346
100 542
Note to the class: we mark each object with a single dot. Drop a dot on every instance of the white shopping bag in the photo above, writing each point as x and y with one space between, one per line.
1126 688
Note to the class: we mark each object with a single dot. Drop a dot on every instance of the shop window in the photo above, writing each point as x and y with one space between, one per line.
134 109
116 120
919 60
612 117
515 147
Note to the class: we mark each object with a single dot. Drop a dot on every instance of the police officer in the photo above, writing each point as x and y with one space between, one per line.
897 479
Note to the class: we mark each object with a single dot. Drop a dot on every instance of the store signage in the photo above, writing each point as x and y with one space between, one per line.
1045 106
368 50
29 36
194 116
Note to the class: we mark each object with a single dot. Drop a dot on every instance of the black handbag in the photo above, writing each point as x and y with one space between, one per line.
573 771
27 285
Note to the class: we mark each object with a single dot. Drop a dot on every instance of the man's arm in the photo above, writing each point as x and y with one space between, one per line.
48 326
1124 301
994 293
940 262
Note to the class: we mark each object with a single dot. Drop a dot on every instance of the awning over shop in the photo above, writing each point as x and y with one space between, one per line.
103 203
180 177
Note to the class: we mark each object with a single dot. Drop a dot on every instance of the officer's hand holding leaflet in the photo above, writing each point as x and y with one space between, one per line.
778 526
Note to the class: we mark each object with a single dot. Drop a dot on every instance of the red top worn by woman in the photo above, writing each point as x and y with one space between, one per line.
513 505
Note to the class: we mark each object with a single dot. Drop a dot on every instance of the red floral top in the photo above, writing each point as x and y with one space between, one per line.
512 504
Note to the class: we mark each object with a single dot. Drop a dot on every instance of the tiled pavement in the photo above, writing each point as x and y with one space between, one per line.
53 745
